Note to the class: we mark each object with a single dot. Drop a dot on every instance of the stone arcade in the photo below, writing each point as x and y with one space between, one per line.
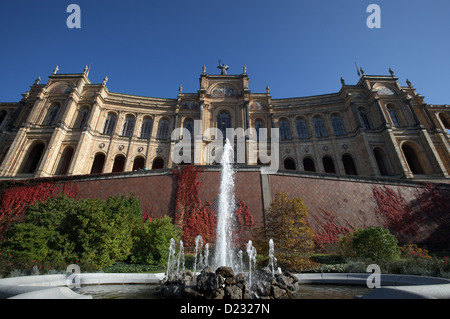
376 127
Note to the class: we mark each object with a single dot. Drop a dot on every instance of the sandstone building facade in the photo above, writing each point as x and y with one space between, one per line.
374 128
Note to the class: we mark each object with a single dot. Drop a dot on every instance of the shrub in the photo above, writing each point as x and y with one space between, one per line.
411 251
375 243
153 240
286 224
62 230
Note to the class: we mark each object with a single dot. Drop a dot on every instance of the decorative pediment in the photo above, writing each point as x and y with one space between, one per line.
61 88
257 106
189 105
223 91
382 90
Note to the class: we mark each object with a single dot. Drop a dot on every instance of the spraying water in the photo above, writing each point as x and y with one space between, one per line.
272 259
224 255
171 260
251 252
198 257
180 259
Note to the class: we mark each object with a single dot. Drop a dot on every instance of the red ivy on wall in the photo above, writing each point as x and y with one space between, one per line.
15 200
397 215
330 231
195 218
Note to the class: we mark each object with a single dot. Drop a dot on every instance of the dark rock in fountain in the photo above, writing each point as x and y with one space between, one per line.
224 284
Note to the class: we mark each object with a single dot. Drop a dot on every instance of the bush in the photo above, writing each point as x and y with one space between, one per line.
375 243
153 240
62 230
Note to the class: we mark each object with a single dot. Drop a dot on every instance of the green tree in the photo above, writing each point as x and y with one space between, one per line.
153 240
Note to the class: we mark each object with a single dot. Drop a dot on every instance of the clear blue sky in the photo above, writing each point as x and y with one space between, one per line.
299 48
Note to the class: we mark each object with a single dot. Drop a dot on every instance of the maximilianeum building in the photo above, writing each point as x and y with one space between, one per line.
373 128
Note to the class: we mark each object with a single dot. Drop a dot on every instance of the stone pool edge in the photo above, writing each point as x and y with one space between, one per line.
392 286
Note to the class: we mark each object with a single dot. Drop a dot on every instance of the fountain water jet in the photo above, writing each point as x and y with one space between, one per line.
224 255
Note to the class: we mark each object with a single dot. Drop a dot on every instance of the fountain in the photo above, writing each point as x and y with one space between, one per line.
223 283
224 256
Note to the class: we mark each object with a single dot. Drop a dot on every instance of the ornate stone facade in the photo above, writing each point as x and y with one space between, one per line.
376 127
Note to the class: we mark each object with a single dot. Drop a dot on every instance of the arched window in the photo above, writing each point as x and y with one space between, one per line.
285 131
33 158
146 129
289 164
51 115
139 163
349 165
413 161
259 124
445 119
394 116
302 129
223 122
319 127
380 158
2 116
189 125
99 162
119 164
128 126
110 124
364 117
328 165
338 126
82 118
158 163
163 129
64 162
308 165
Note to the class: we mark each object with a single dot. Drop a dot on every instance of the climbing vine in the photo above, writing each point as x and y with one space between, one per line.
16 200
196 218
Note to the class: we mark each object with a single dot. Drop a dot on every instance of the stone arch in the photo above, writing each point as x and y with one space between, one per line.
445 120
411 153
2 116
289 164
308 164
158 163
328 164
382 161
33 157
138 163
65 161
98 164
119 163
349 164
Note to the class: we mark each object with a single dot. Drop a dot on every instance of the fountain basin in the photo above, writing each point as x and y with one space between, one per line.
392 286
